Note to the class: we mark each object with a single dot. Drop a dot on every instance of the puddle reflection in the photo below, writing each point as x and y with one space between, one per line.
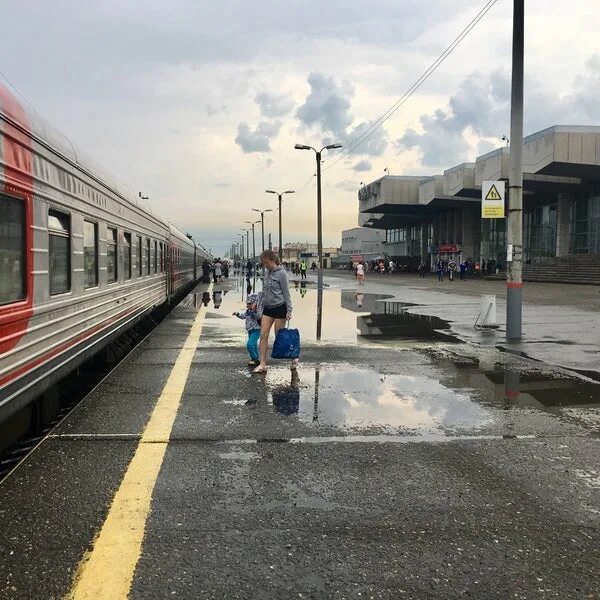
355 397
345 316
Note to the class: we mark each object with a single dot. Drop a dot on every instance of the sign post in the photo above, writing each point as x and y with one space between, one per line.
492 200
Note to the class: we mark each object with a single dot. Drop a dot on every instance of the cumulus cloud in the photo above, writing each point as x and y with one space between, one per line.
361 166
327 105
328 108
481 109
274 105
259 139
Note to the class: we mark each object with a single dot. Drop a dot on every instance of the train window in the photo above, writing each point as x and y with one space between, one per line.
162 257
139 256
12 250
155 257
90 253
148 257
127 256
59 251
111 254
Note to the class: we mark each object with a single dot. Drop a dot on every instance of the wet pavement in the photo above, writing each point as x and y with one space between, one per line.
561 325
396 462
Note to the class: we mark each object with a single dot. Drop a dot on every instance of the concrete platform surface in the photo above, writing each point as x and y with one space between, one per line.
401 463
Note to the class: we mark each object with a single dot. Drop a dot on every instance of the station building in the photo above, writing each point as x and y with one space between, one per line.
361 243
428 217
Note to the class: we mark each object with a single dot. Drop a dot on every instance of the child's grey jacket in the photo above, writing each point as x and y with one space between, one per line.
252 316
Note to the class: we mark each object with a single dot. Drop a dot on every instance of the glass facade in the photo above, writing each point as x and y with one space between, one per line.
586 222
539 228
410 237
493 239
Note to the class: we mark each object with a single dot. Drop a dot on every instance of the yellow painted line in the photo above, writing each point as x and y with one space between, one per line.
106 572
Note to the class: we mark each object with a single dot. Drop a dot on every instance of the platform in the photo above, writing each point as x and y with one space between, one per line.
386 468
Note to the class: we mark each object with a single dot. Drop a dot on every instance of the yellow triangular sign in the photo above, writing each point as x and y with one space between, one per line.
493 194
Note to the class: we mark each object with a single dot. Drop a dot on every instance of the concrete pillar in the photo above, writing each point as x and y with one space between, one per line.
471 233
563 224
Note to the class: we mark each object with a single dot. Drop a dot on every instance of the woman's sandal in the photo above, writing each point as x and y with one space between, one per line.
260 369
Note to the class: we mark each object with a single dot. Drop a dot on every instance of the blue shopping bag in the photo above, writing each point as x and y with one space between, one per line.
287 344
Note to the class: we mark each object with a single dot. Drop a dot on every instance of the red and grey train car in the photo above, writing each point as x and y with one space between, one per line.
80 261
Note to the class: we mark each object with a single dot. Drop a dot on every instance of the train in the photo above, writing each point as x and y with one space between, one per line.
81 260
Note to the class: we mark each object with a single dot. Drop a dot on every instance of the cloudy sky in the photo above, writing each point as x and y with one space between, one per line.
198 104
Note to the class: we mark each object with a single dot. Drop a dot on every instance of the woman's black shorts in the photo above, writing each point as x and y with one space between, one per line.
275 312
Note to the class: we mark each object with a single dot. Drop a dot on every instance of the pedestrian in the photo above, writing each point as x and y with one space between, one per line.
391 267
422 270
483 267
226 270
451 270
205 271
303 269
439 267
249 268
252 317
477 269
360 273
463 270
277 304
313 266
218 271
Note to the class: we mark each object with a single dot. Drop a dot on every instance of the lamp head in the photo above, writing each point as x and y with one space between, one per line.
289 192
332 146
270 192
302 147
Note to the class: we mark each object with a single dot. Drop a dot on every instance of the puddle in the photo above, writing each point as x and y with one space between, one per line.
438 399
347 397
348 316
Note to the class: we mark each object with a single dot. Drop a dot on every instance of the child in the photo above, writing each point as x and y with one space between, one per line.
252 315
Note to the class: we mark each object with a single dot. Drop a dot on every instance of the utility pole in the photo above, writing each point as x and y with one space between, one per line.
319 231
514 279
262 220
253 242
280 196
270 243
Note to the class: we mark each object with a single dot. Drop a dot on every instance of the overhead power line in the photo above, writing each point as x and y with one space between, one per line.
349 148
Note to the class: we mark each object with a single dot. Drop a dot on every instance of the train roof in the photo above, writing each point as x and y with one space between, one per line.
14 111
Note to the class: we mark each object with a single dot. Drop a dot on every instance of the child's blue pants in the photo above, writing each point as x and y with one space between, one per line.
252 344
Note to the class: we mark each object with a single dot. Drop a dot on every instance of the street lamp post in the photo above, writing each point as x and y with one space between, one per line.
241 247
262 220
247 231
253 223
280 197
319 210
319 230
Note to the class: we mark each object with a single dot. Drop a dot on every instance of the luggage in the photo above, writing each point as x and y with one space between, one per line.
287 344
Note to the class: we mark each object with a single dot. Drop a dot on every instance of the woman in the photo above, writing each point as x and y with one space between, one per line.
277 304
360 273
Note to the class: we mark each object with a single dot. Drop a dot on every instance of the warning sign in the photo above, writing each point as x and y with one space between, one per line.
492 204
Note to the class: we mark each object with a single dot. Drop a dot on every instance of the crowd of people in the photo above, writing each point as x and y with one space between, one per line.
465 268
444 268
